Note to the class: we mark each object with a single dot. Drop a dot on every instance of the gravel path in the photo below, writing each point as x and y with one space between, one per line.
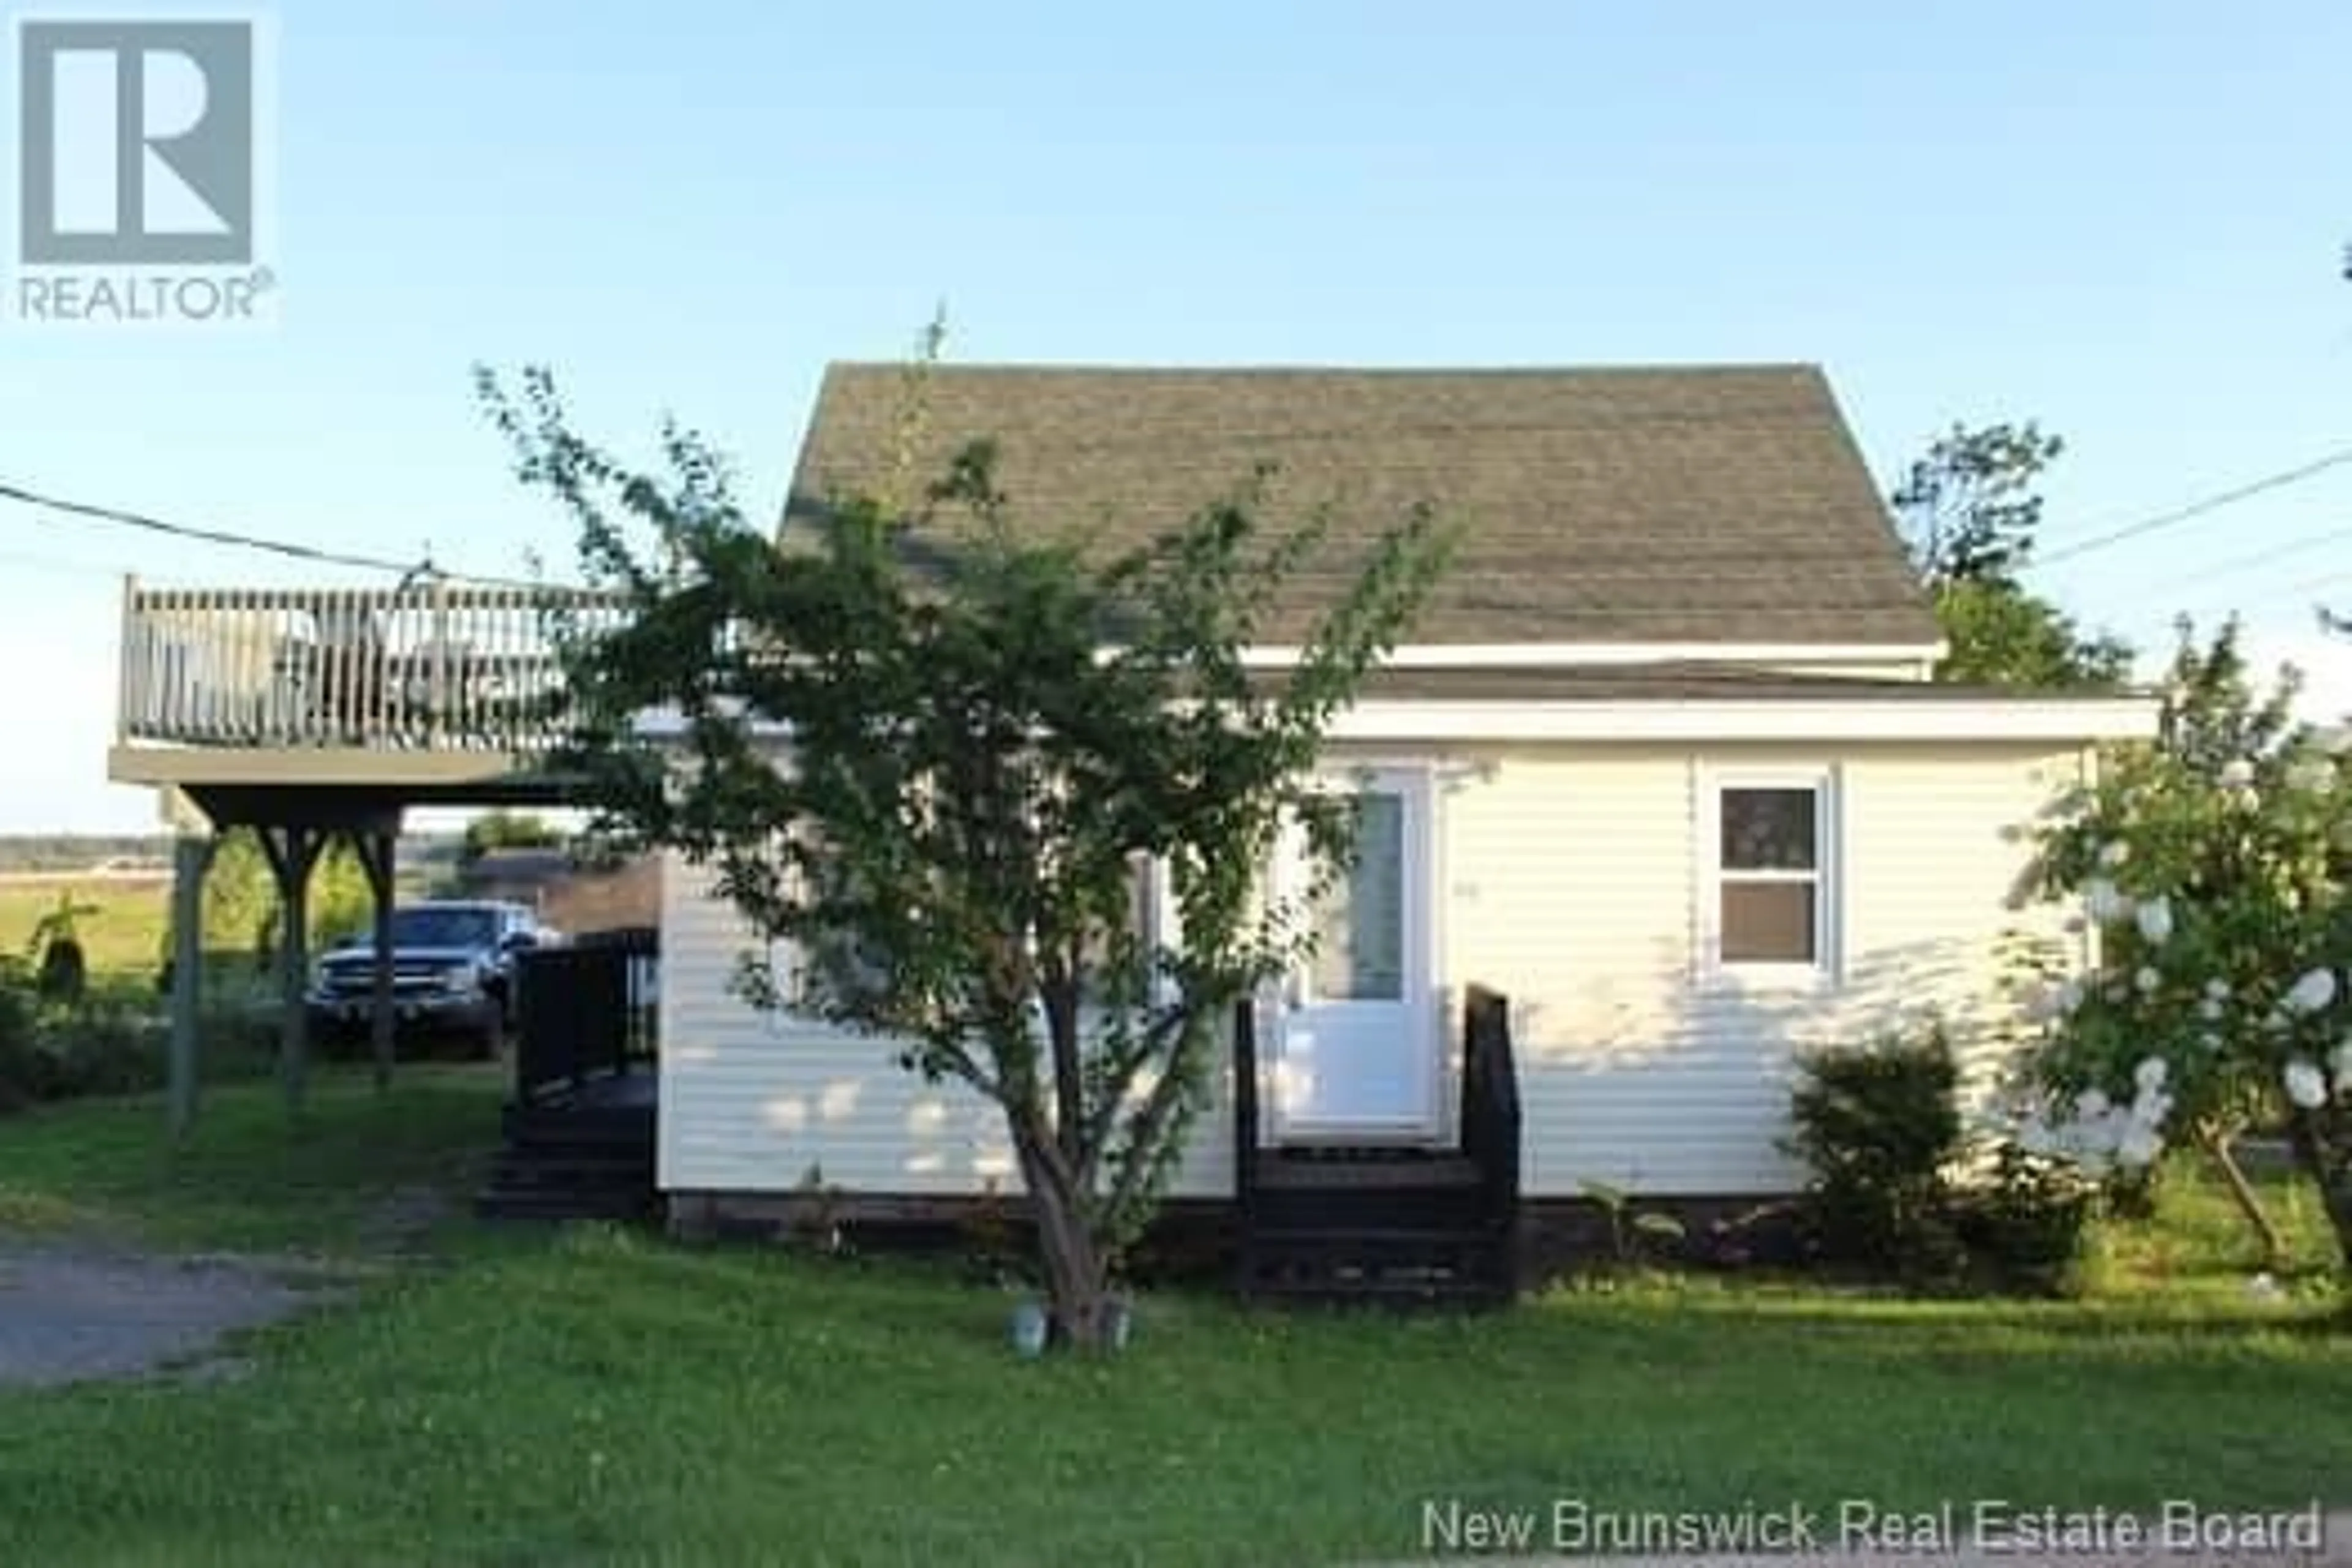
74 1310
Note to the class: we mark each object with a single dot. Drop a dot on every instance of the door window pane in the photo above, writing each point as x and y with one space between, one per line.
1769 830
1360 922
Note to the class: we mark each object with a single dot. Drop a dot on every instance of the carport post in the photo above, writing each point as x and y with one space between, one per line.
376 848
293 850
192 855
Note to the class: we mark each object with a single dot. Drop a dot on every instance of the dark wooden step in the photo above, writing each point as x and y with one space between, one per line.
1368 1209
558 1179
1288 1170
1390 1235
553 1126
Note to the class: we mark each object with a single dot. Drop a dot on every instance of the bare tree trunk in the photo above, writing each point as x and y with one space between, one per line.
2332 1177
2217 1147
1077 1271
2337 1195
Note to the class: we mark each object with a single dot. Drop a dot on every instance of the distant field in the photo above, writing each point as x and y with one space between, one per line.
125 935
134 908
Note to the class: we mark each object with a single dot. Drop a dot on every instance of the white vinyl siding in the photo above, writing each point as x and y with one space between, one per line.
1571 877
764 1101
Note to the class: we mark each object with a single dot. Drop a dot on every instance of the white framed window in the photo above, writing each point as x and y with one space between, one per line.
1768 873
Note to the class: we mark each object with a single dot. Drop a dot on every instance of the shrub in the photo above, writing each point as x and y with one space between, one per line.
1902 1189
1879 1126
2025 1222
111 1042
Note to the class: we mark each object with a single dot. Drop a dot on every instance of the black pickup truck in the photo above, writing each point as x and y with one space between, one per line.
452 971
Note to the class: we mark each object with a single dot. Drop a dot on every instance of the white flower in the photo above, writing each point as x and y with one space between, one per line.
2090 1106
2237 773
2138 1147
2105 901
2209 1040
2209 1010
2305 1085
2154 917
2151 1074
2112 855
2310 994
2034 1136
2262 1287
2148 980
2217 990
2069 998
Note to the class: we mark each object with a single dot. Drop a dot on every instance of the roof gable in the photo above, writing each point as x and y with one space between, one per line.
1712 505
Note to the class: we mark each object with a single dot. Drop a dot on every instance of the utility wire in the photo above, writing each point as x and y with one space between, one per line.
2198 509
2307 587
409 572
2193 582
203 535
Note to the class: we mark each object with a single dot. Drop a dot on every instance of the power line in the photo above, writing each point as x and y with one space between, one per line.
91 511
108 514
2198 509
2308 587
2237 563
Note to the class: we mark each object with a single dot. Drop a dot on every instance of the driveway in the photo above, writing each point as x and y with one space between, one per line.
72 1310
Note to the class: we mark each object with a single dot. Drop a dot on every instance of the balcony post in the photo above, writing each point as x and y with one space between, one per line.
131 649
439 665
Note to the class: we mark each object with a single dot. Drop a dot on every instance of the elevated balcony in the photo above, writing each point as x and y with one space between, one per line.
431 691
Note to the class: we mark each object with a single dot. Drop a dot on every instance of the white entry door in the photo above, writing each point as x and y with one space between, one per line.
1357 1047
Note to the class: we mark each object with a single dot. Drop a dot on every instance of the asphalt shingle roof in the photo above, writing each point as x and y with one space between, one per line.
1668 505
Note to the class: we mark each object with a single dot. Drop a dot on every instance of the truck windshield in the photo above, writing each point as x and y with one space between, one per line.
444 928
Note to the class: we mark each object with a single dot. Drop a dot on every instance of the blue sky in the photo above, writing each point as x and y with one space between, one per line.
2122 220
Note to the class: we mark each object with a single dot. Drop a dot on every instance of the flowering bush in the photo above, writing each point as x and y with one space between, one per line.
2209 866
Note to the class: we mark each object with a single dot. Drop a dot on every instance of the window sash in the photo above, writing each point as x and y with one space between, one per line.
1762 925
1814 827
1821 877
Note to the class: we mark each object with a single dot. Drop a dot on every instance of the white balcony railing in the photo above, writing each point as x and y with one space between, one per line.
439 665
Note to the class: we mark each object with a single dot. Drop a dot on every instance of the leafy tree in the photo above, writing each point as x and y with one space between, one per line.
989 734
507 830
2210 860
1970 513
240 898
1969 503
242 911
341 903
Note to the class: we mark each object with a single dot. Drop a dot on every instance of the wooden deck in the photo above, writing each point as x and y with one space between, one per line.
580 1124
431 688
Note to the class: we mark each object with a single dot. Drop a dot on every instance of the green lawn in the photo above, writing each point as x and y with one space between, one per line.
593 1398
251 1178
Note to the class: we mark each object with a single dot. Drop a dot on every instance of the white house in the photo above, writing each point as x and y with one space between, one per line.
1661 764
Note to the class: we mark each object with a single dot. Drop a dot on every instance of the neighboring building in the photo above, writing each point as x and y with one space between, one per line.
1661 764
570 898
